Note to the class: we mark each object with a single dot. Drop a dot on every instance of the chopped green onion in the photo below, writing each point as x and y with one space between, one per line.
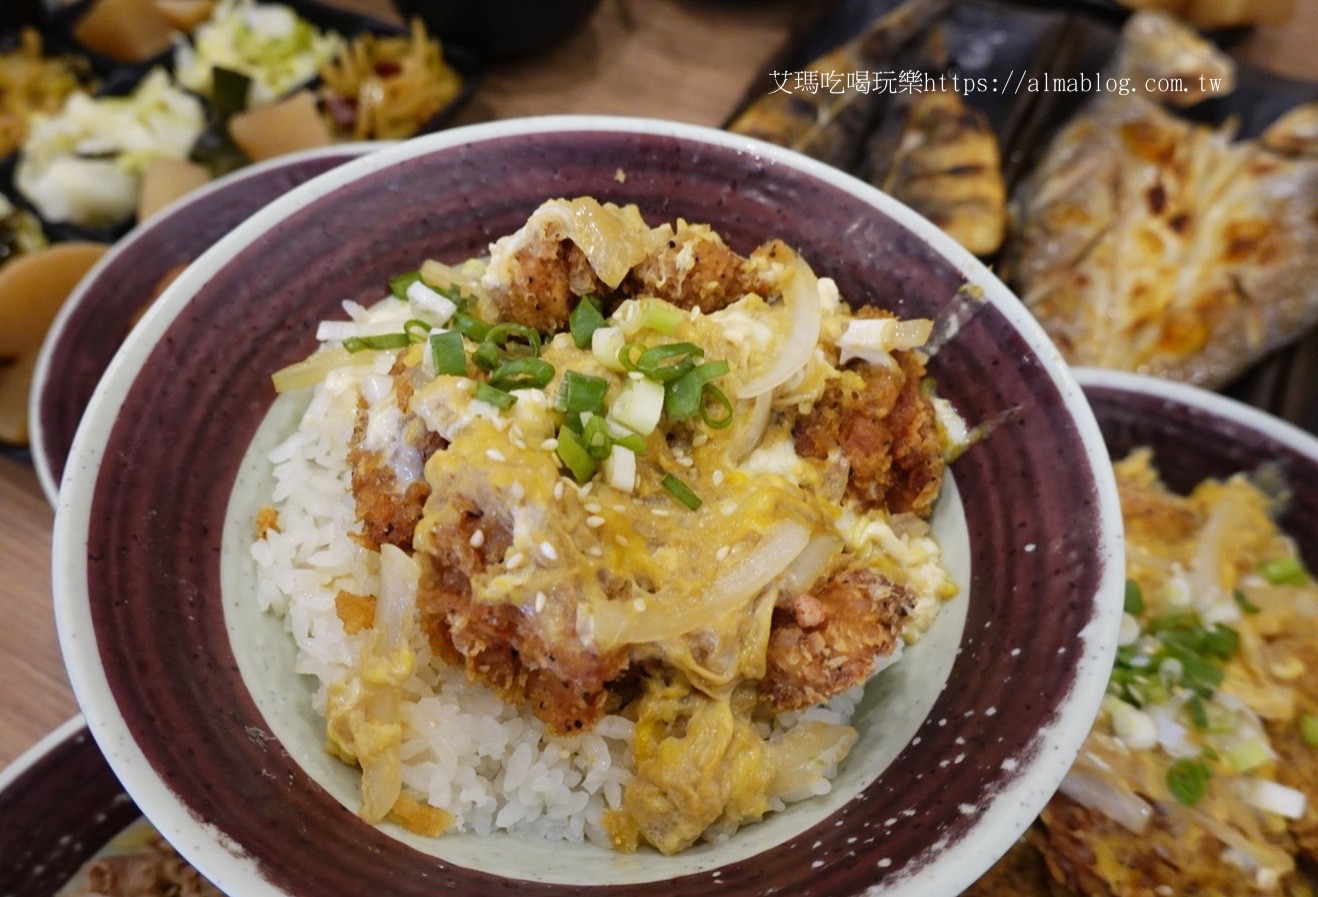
471 327
684 397
1134 598
496 397
1198 715
595 437
629 441
1246 755
515 338
669 361
581 392
1221 642
383 341
487 356
660 316
416 330
627 356
448 354
1309 729
682 492
1187 779
398 285
720 398
639 406
574 455
1285 572
584 320
1244 603
522 373
606 343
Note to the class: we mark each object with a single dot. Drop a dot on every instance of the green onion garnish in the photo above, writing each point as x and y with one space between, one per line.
1187 779
383 341
684 397
1244 603
1285 572
522 373
584 321
448 354
717 421
515 338
574 455
632 442
1309 729
471 327
669 361
682 492
487 356
595 437
660 316
496 397
1134 598
628 356
580 393
398 285
416 330
1246 755
1198 714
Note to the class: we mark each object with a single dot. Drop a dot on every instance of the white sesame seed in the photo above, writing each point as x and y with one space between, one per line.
722 553
518 491
478 538
717 478
515 560
636 375
516 432
686 462
583 491
621 509
464 385
699 439
595 551
594 521
495 455
539 601
638 604
659 512
558 491
549 444
548 550
620 539
593 507
517 442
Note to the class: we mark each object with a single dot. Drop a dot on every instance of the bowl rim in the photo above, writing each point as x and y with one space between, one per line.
44 374
1012 806
1271 426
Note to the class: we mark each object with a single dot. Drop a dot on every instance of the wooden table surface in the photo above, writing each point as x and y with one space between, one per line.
688 60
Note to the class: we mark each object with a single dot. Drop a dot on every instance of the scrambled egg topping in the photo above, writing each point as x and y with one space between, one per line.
586 539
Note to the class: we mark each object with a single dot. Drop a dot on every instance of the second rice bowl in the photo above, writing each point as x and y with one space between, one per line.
960 742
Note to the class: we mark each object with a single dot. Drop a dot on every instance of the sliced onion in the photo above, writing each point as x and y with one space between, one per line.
1273 797
1107 795
810 564
750 432
805 317
315 368
674 613
399 576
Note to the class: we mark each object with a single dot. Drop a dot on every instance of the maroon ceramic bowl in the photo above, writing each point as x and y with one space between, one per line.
93 322
190 690
59 805
1196 434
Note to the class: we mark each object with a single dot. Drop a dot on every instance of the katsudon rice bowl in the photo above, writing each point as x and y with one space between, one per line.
586 501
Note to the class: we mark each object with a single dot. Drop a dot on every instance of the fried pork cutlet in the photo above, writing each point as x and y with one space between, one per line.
547 274
886 429
1020 873
826 641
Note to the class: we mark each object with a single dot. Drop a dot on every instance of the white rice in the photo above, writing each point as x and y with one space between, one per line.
492 766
